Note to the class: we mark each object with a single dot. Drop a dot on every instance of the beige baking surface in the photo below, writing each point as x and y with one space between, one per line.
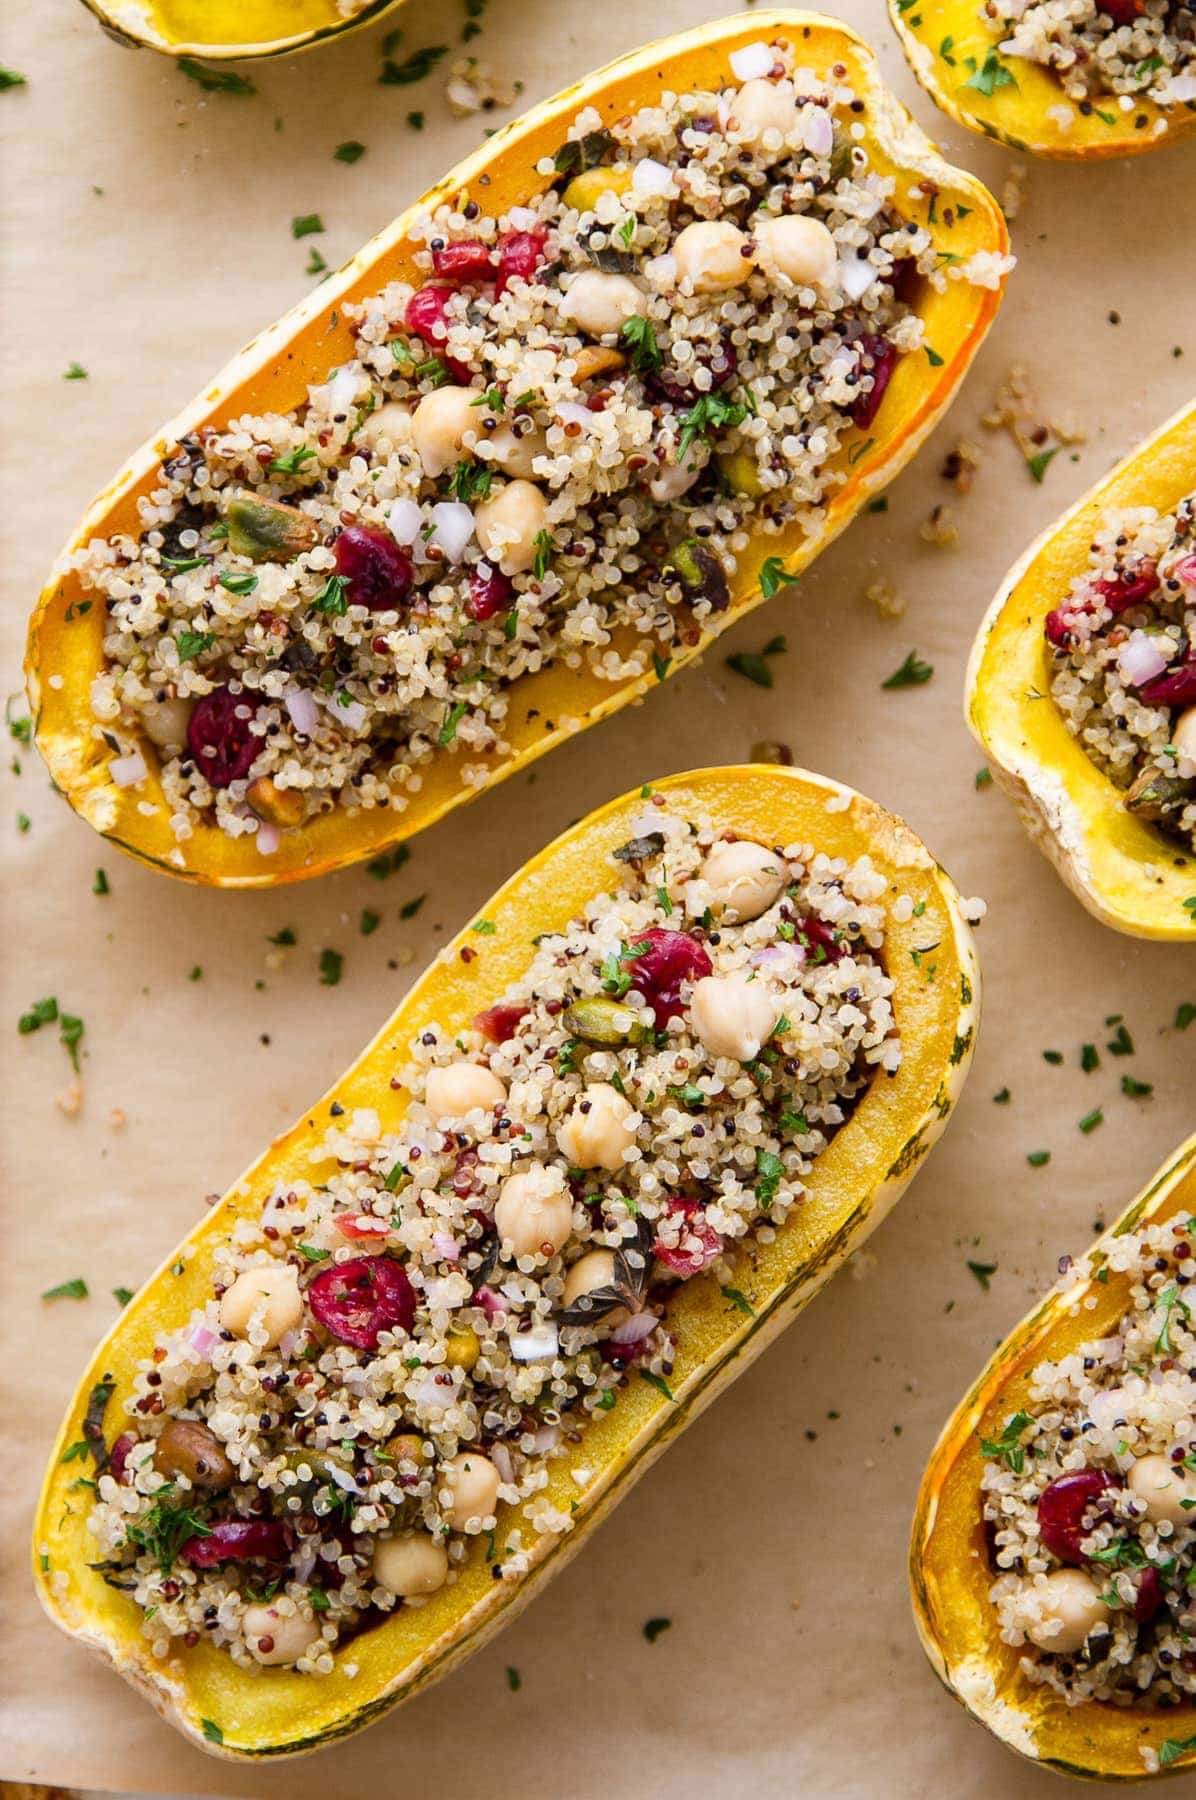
774 1535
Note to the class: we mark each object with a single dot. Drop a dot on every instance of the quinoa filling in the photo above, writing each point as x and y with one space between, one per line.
547 452
396 1349
1122 647
1089 1496
1134 49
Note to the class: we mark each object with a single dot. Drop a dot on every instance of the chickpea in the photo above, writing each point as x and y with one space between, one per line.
596 1269
164 722
761 106
462 1347
276 1637
390 423
515 452
188 1448
733 1015
472 1481
509 523
461 1088
713 254
585 190
1068 1607
441 423
799 248
744 880
406 1448
676 478
415 1564
267 1296
596 1134
1183 734
534 1212
1167 1488
601 304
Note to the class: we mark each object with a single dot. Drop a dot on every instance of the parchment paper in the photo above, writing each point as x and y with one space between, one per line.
774 1535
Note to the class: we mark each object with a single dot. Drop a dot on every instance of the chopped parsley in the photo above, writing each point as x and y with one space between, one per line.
1040 463
912 673
654 1627
332 965
707 414
989 75
75 1289
349 152
639 337
752 664
214 81
774 575
419 64
306 225
331 599
1008 1447
74 372
984 1273
292 461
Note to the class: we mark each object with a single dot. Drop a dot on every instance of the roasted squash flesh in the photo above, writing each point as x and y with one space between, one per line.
953 50
1125 871
221 29
949 1562
854 1182
65 645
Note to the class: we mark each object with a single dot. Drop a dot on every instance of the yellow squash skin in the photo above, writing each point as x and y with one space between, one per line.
221 29
273 373
277 1712
1020 116
949 1568
1126 872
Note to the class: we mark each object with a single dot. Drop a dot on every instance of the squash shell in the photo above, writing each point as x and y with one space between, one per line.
949 1567
1125 871
1021 116
276 1712
222 30
65 637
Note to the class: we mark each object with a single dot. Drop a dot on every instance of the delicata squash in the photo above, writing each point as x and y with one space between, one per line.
1053 1549
613 382
219 29
1094 79
1081 690
621 1131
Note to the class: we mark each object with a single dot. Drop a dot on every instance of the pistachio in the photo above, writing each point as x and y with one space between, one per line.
462 1347
1156 795
320 1465
603 1022
188 1448
598 359
278 806
585 190
405 1448
268 531
741 473
700 572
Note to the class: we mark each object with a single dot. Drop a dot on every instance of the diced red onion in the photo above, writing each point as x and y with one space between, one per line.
305 1560
569 413
352 717
651 177
1140 659
540 1344
856 276
202 1338
819 132
752 61
490 1302
405 520
304 711
662 270
522 218
128 770
1185 569
500 1456
342 387
453 524
267 838
635 1329
1179 89
545 1439
446 1246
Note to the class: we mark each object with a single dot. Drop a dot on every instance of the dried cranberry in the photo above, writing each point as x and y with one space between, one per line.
520 254
500 1021
1122 12
878 358
670 958
461 261
357 1300
426 315
905 278
118 1456
379 573
686 1258
621 1354
489 592
1064 1506
1125 589
361 1225
1177 687
239 1540
220 738
1149 1596
1058 631
814 934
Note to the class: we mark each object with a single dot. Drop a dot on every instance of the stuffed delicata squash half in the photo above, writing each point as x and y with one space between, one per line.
623 1129
611 383
1082 690
220 29
1054 1546
1081 81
